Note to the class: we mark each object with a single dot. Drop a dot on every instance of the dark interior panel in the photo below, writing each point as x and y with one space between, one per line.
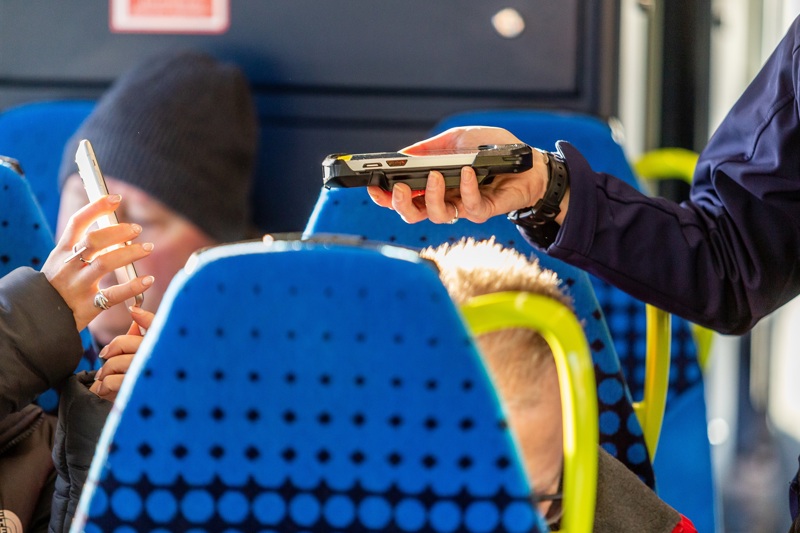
338 76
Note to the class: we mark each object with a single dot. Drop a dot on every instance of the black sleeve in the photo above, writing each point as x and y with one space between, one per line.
39 341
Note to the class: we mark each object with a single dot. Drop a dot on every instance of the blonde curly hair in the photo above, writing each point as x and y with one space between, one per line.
470 268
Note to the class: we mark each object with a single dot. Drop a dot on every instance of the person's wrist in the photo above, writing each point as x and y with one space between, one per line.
542 219
537 183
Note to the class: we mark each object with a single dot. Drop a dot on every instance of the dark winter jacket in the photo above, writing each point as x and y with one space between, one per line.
81 416
26 471
39 348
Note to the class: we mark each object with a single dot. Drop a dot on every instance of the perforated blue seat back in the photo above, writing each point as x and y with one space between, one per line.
35 135
350 211
26 240
683 453
308 388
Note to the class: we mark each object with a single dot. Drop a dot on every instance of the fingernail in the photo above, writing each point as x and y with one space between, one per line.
148 281
148 246
399 193
115 198
103 352
136 228
136 310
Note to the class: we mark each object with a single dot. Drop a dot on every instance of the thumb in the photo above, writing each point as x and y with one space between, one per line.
141 319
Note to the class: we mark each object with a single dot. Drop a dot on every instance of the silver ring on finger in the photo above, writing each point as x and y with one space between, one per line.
455 217
77 252
101 301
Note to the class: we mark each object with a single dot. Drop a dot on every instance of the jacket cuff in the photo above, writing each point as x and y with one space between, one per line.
577 232
575 235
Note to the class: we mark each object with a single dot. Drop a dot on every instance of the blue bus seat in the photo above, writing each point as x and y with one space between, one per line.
35 135
26 240
300 386
350 211
684 451
25 237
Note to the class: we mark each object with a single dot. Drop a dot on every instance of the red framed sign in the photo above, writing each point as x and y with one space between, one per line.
169 16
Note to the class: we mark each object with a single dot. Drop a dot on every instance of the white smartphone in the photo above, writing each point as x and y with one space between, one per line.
95 186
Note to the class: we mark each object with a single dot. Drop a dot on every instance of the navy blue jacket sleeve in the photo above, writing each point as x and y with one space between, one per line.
727 257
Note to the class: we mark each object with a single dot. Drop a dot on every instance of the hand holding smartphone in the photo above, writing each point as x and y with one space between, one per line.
385 169
95 186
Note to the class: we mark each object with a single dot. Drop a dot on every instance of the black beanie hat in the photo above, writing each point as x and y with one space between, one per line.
181 127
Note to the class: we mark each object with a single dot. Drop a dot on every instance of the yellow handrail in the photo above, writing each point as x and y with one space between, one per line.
650 410
664 163
559 326
676 163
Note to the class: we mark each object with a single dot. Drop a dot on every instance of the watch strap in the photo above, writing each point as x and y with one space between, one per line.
539 219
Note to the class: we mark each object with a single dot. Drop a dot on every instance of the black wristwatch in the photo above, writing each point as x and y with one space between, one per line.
540 218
